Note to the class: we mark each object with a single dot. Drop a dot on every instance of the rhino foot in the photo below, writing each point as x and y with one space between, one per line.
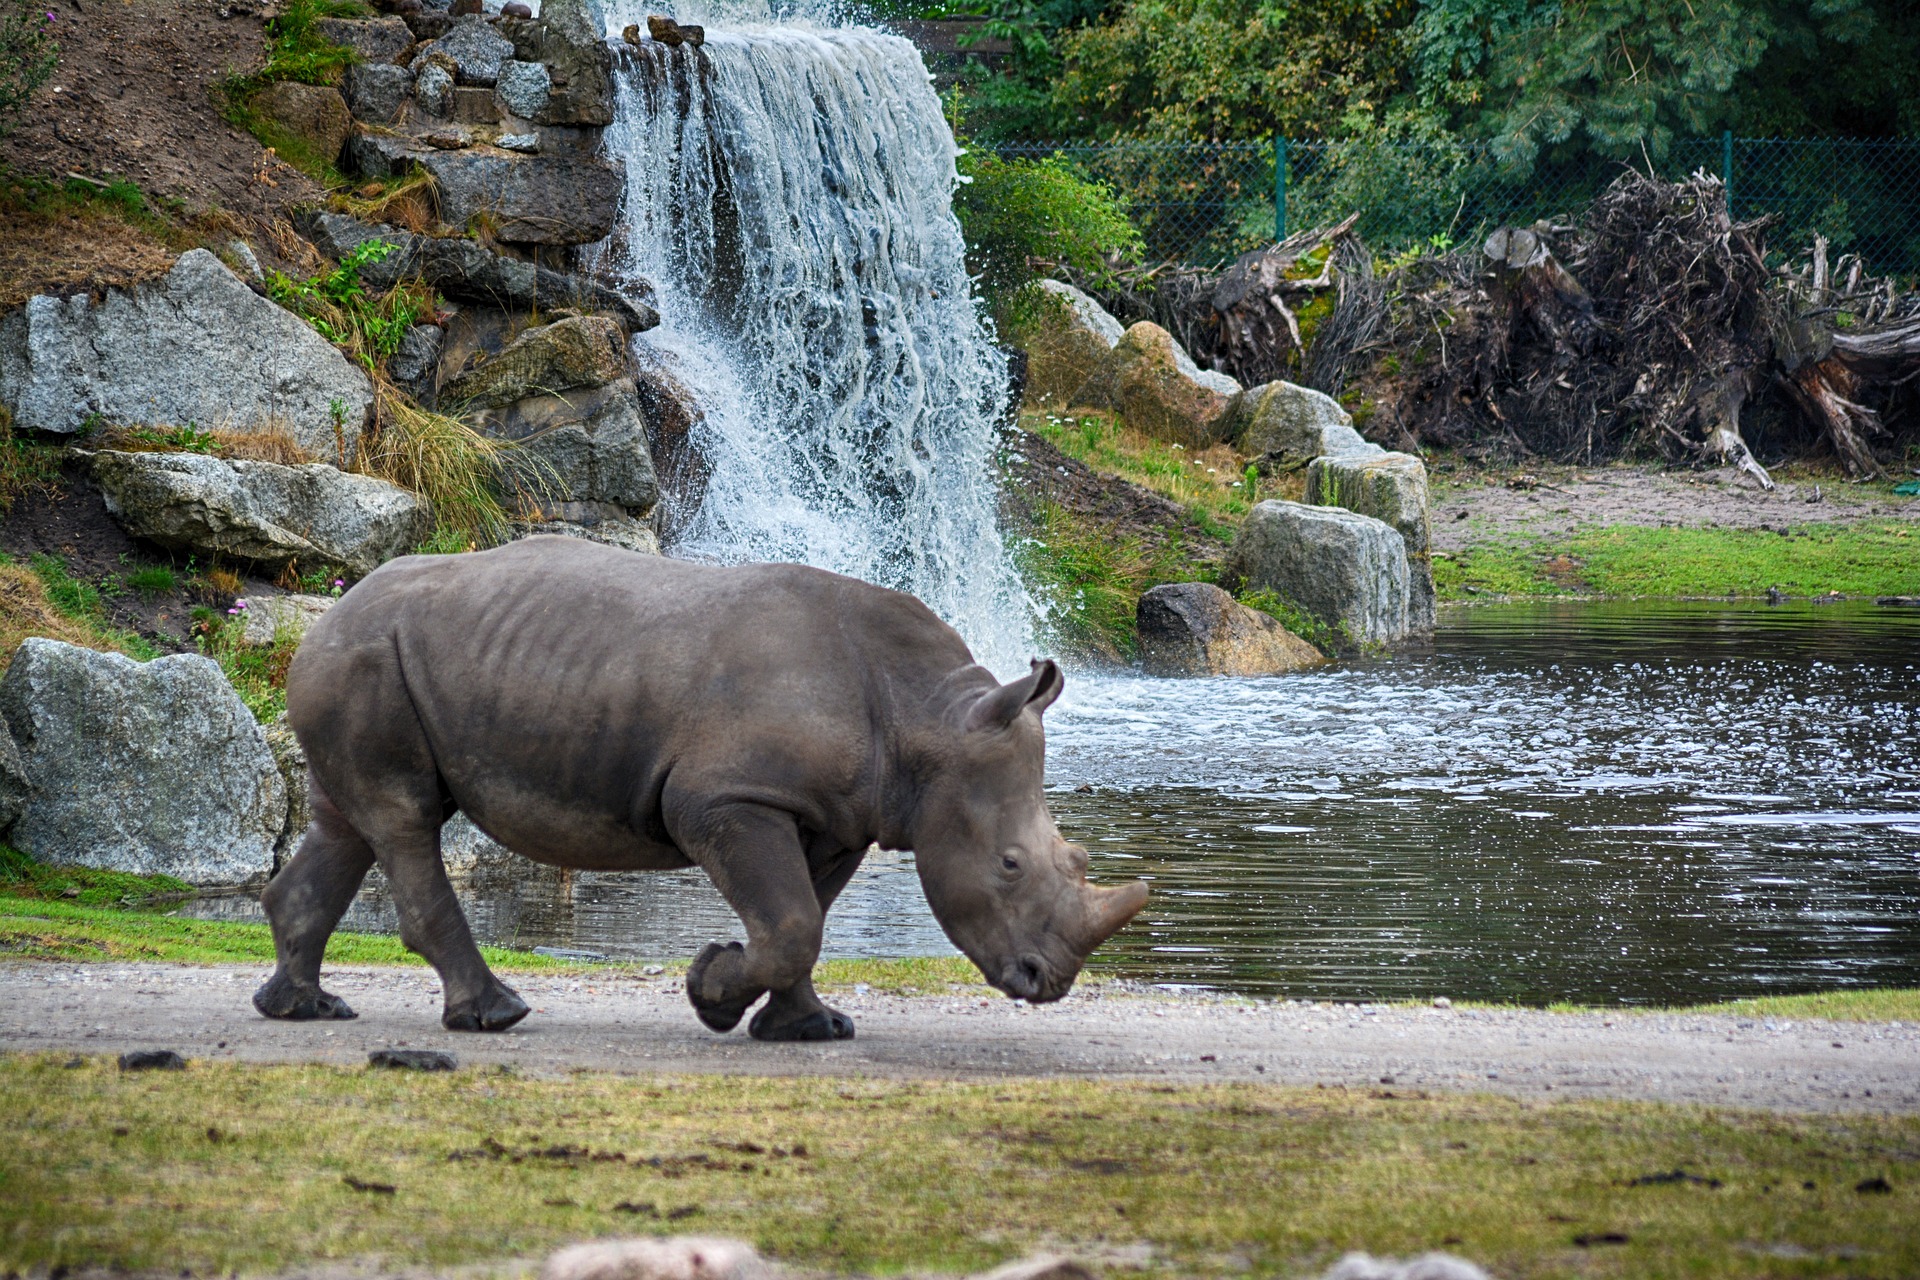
281 997
718 1013
497 1010
820 1024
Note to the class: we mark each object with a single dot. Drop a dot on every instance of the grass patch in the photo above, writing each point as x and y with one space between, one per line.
1213 484
258 673
26 466
458 470
295 51
40 921
233 1167
22 877
1326 639
1868 558
1878 1004
41 598
1088 581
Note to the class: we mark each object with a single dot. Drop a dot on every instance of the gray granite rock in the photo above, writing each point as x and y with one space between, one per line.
261 511
376 40
375 92
291 759
15 787
523 88
315 114
1390 487
197 346
1347 570
567 355
539 199
433 87
585 446
414 365
475 50
269 618
151 768
1286 427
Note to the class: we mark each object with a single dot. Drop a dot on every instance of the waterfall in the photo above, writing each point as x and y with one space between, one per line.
789 198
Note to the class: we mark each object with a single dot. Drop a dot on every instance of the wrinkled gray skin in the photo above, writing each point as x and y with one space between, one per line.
589 707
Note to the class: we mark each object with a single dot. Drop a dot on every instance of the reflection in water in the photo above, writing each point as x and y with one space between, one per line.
1562 802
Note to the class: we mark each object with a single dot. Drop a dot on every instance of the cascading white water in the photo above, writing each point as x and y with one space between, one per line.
789 198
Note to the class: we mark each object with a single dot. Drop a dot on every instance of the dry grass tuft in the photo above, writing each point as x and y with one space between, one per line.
273 444
25 611
407 202
458 470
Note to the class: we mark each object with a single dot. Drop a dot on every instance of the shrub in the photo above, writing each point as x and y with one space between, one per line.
1027 218
28 56
366 326
455 468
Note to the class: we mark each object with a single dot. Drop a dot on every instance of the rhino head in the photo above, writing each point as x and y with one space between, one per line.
1005 887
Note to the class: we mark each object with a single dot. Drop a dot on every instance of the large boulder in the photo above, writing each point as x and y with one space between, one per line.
315 114
198 347
1286 427
674 418
261 511
586 446
1345 569
472 48
267 619
1156 388
461 268
1067 342
152 768
523 88
291 759
530 199
1196 629
16 788
580 351
1390 487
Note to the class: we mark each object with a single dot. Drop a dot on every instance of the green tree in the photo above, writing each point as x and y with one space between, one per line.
1235 69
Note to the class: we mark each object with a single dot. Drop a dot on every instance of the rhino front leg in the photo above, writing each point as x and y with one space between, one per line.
754 857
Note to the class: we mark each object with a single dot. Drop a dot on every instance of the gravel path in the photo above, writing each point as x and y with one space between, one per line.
640 1024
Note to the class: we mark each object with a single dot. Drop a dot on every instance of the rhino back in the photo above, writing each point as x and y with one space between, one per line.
570 692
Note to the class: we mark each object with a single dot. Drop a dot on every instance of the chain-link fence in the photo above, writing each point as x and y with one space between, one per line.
1204 202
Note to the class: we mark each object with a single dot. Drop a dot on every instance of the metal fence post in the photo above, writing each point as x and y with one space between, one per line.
1279 188
1726 167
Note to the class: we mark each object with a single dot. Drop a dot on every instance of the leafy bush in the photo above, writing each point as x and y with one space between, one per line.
1025 218
368 327
28 56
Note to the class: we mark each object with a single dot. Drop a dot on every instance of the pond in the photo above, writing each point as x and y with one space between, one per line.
1606 803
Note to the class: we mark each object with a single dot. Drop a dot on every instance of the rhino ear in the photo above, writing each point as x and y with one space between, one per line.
1034 691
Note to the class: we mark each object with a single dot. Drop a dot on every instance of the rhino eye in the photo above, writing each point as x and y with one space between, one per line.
1010 862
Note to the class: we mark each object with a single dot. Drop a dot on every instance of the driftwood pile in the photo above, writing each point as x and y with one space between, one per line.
1656 325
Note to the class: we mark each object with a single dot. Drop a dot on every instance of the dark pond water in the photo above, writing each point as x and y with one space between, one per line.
1604 803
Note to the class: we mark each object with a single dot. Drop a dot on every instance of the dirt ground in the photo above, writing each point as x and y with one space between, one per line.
639 1024
1472 506
133 97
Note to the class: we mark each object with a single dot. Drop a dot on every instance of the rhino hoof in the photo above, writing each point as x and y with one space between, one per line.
825 1024
495 1011
718 1015
281 998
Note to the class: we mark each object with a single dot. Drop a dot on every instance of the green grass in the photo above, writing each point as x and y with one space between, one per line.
40 921
1868 558
229 1167
154 580
1879 1004
1088 579
1218 499
80 602
1326 639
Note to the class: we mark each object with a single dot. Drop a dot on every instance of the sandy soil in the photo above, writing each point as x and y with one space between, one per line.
1471 507
638 1024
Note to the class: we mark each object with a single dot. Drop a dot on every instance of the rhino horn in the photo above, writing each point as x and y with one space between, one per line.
1108 910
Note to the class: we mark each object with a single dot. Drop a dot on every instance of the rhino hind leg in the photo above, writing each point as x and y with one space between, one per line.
304 904
433 925
754 857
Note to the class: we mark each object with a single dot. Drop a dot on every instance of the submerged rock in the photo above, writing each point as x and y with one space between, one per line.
1346 569
1390 487
1196 629
1156 388
261 511
152 768
196 347
1286 427
1067 342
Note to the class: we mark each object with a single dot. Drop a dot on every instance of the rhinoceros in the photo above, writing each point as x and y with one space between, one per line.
594 708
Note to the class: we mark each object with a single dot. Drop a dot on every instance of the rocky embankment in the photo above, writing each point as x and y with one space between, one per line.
1355 556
